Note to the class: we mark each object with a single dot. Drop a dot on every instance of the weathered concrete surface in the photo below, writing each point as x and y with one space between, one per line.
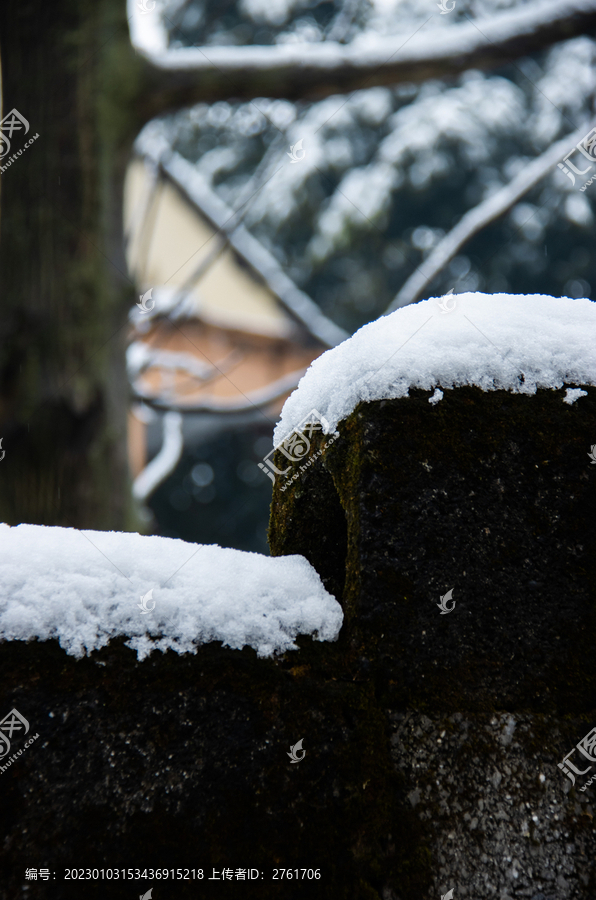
491 495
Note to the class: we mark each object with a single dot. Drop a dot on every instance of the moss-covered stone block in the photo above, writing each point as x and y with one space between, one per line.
490 495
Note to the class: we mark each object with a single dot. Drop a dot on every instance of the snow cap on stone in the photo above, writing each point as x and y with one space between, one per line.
85 587
512 342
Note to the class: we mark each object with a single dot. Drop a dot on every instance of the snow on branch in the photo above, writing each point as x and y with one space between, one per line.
141 356
162 465
476 219
252 401
186 76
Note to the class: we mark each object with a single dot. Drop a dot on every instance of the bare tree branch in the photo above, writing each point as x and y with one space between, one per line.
183 77
476 219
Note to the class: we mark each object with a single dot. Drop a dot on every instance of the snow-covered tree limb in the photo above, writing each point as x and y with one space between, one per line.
480 216
141 356
162 465
182 77
254 400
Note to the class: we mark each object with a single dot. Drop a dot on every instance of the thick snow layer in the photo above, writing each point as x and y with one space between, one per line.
510 342
85 587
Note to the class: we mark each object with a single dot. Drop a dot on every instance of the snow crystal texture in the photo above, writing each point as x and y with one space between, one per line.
85 587
509 342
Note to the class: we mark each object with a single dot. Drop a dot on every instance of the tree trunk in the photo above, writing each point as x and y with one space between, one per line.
69 69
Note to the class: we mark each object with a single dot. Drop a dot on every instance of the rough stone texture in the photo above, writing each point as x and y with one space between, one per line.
491 495
502 820
181 762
